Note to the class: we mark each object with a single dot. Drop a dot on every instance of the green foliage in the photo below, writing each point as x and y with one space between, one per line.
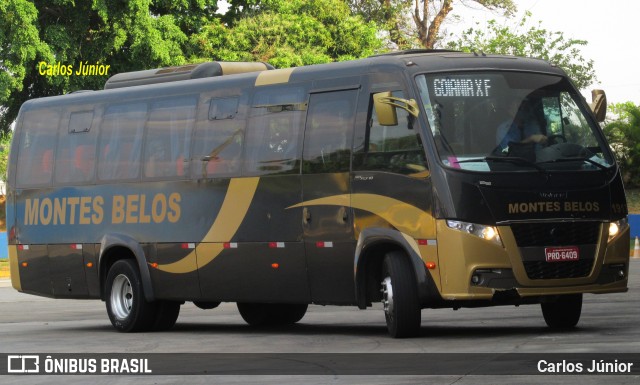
127 35
529 41
20 46
289 34
5 144
141 34
623 133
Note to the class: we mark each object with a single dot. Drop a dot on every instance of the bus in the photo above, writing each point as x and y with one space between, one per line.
386 180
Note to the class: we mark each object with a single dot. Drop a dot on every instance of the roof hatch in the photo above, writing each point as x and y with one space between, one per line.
185 72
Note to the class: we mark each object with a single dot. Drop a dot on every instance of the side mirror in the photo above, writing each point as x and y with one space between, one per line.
598 104
386 112
385 106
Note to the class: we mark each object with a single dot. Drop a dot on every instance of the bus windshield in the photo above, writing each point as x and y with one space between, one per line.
511 121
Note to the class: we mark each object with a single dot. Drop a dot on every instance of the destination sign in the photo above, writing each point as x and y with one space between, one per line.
462 87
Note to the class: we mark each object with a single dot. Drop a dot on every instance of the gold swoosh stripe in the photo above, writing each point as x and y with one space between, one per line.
234 208
407 218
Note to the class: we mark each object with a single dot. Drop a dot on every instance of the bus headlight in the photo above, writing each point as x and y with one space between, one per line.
489 233
617 227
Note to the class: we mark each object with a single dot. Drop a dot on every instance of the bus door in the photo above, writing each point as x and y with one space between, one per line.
327 216
392 188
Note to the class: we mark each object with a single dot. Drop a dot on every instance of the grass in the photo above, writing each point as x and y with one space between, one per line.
4 268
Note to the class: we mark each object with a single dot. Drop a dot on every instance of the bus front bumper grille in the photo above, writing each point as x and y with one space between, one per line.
558 270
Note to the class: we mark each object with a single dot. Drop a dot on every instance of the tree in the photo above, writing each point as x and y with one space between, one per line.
532 41
623 133
288 34
5 144
141 34
127 35
413 23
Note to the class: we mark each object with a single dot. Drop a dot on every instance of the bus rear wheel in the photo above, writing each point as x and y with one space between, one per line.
563 313
399 296
288 314
126 306
204 305
268 314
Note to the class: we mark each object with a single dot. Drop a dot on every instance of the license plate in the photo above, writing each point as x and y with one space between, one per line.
562 254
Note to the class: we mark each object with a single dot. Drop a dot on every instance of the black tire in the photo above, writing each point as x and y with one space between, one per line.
167 315
267 314
126 306
255 314
563 313
400 296
206 305
287 314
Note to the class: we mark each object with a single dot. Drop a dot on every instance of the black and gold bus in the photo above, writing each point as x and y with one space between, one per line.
418 179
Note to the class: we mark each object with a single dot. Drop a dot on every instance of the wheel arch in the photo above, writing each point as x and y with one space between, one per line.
373 245
114 247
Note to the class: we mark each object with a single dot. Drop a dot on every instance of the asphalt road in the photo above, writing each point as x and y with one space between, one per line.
610 325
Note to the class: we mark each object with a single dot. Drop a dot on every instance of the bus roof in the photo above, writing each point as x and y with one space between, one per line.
411 61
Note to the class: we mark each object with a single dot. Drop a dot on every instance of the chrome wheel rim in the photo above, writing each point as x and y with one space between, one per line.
387 297
121 297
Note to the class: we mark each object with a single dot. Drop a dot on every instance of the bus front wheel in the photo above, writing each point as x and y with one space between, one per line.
126 306
564 312
399 296
167 315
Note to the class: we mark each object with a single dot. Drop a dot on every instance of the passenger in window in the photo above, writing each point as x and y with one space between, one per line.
233 153
521 126
280 138
157 164
226 158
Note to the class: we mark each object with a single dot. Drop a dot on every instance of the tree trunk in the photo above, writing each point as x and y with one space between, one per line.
428 34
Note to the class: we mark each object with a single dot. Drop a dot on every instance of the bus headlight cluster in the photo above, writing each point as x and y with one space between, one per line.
489 233
616 227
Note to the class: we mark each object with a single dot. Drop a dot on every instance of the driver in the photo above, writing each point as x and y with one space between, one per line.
520 127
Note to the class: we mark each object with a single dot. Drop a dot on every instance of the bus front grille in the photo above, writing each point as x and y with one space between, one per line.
556 233
558 270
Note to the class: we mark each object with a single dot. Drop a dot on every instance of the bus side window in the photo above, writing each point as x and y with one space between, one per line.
397 149
329 129
35 153
168 137
121 141
218 140
75 158
273 135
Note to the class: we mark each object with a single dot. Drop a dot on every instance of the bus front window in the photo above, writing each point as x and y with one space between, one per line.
511 121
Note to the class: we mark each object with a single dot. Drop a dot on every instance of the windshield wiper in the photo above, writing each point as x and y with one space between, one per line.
577 159
505 159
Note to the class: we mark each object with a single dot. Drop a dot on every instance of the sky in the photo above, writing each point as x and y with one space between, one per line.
610 27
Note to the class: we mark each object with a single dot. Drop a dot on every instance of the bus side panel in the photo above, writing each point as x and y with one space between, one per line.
256 272
90 256
263 260
33 261
66 265
329 240
180 286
